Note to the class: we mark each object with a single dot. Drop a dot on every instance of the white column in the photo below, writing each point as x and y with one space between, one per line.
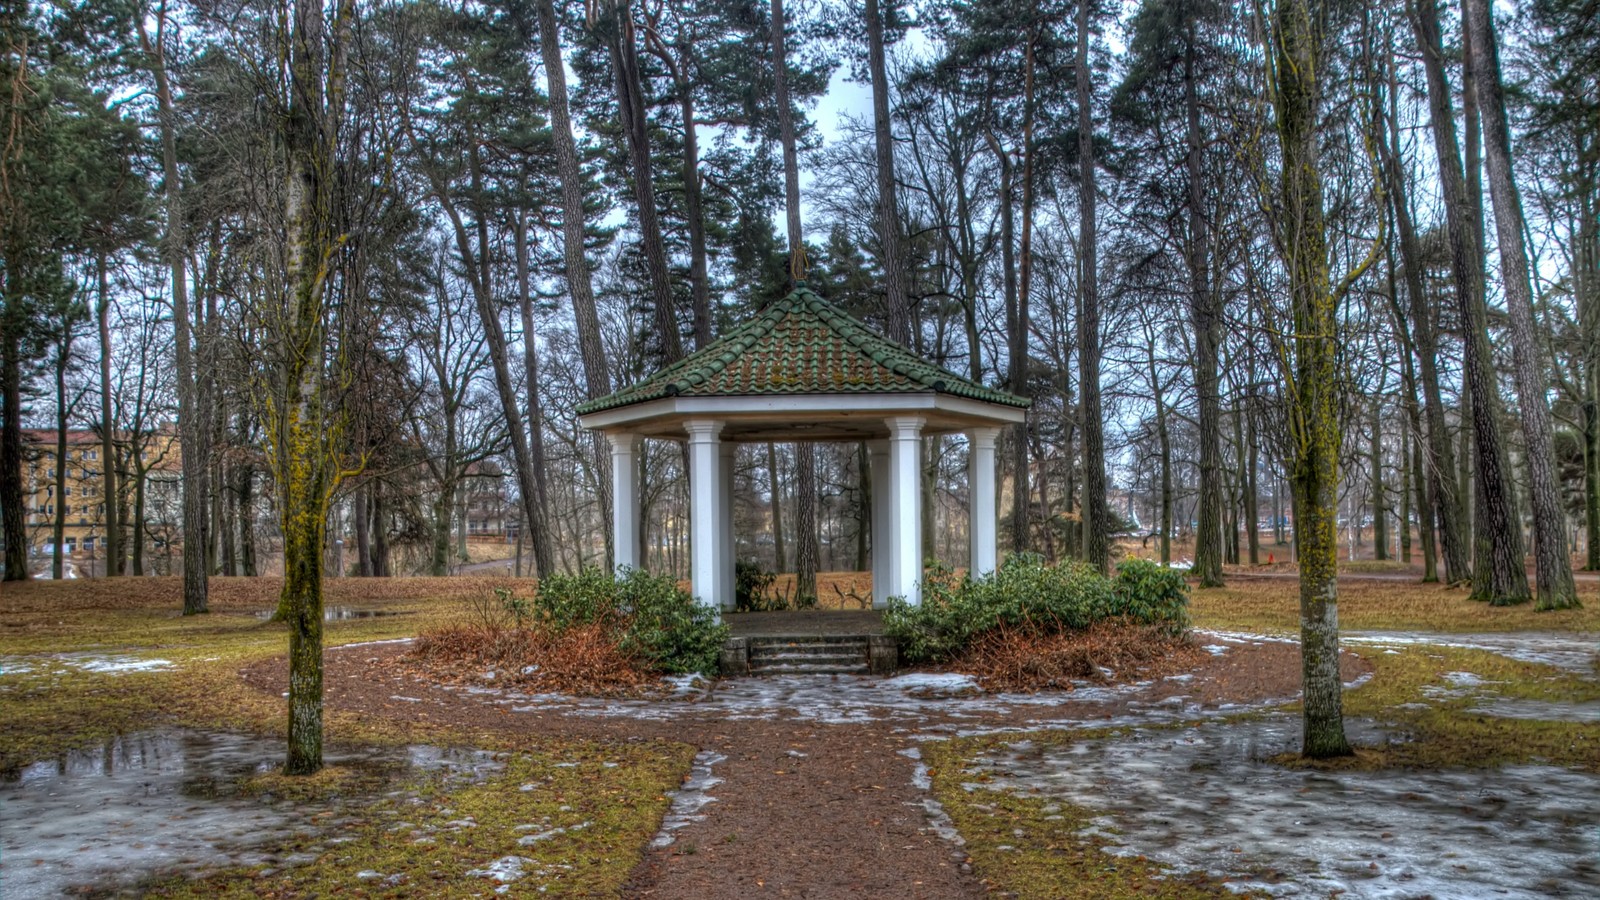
882 540
981 511
705 482
725 461
625 449
905 470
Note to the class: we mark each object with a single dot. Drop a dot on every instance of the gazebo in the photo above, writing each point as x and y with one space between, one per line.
802 370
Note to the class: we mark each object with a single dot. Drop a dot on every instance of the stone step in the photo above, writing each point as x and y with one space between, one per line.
859 668
831 648
808 659
847 654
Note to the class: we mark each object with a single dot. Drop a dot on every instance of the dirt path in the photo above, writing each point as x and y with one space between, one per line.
818 795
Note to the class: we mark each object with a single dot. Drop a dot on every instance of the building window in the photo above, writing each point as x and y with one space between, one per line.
88 543
72 545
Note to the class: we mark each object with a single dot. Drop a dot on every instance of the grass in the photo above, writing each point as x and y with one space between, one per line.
1270 605
56 708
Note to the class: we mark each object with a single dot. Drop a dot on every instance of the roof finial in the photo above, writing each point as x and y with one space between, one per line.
797 264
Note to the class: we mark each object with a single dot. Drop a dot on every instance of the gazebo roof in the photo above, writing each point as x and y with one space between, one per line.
801 345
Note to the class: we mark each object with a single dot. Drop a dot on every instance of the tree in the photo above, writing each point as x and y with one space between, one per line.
1498 573
1553 569
304 432
1308 362
897 306
194 427
1096 518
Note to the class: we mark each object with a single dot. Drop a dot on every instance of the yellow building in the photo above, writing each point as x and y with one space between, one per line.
82 493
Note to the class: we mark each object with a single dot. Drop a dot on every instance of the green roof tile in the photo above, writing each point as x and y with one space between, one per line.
800 345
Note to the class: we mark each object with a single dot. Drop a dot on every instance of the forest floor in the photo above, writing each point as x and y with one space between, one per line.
138 751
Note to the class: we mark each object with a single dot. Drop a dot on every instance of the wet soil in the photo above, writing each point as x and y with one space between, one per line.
819 793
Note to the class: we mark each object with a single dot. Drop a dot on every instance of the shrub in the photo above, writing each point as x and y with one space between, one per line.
1153 594
1028 597
650 617
752 587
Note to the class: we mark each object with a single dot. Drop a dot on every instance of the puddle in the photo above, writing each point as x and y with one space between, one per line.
1200 799
691 797
163 801
340 613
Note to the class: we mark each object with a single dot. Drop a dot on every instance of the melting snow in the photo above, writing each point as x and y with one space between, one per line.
1575 653
1203 799
691 797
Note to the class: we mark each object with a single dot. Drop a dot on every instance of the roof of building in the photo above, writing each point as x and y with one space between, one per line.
800 344
47 437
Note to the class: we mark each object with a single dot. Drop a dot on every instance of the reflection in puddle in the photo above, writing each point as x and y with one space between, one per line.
340 613
162 801
1201 799
690 798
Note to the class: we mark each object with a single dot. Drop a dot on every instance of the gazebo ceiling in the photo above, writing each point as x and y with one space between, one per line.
801 370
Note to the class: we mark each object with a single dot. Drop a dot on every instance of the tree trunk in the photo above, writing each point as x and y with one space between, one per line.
1164 438
1314 407
59 525
1252 495
1552 566
634 118
536 511
897 303
247 519
1380 526
774 490
786 136
693 212
363 531
1498 574
585 313
192 431
1017 348
805 522
1207 318
110 490
1096 518
1440 461
304 471
11 500
1587 291
380 532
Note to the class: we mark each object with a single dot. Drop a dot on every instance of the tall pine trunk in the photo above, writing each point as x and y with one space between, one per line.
1096 518
536 510
897 304
1498 574
192 431
1207 320
621 37
1554 587
585 313
110 489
